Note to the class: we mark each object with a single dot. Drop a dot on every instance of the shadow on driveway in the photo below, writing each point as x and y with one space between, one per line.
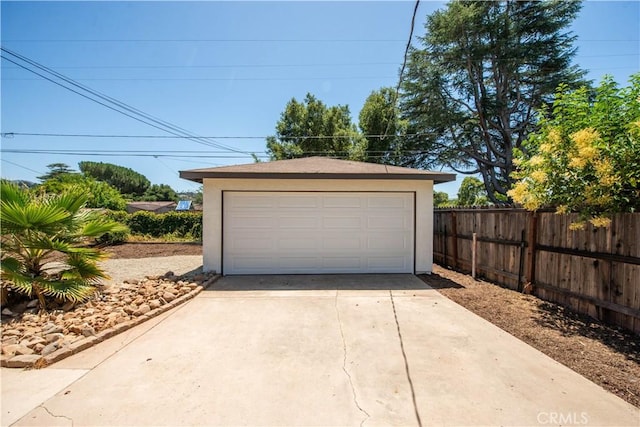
320 282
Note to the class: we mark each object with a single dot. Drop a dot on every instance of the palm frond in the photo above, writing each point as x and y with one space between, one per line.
99 227
69 290
82 268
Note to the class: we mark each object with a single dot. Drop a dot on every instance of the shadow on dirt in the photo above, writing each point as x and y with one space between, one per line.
570 323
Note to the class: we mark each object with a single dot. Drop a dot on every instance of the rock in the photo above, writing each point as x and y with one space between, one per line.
88 331
49 338
7 312
138 301
68 306
10 340
169 274
154 303
23 361
192 285
35 341
129 309
11 332
16 349
50 348
168 296
33 303
132 281
55 329
144 308
38 348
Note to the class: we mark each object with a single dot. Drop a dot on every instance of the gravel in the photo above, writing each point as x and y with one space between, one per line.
122 269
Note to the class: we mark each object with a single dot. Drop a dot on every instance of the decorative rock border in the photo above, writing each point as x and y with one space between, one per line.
40 361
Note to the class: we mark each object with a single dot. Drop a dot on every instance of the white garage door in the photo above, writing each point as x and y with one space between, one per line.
315 232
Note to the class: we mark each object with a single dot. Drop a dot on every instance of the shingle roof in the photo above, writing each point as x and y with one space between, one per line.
315 168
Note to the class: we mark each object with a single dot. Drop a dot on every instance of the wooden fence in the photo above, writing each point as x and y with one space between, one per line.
594 271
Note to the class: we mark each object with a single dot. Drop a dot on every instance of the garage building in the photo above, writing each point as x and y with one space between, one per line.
317 215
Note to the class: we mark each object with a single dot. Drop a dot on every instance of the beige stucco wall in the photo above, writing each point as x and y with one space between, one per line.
212 209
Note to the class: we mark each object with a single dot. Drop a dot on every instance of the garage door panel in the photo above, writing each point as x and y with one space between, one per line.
386 263
341 201
302 244
387 203
342 243
352 222
298 221
251 222
307 233
298 201
253 202
388 243
387 222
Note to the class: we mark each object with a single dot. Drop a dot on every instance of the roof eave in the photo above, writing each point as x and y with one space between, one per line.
199 176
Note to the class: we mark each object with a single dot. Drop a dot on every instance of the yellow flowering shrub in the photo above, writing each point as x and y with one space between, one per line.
585 157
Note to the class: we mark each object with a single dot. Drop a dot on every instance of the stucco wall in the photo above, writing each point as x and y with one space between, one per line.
212 209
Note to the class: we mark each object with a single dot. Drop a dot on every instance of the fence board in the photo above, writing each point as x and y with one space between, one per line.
594 271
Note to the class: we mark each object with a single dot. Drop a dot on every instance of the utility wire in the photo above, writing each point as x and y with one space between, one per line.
404 65
159 123
354 64
79 135
20 166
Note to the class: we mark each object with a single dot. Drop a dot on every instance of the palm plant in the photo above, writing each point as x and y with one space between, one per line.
34 227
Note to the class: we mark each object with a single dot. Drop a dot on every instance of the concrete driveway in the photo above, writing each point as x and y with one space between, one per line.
311 350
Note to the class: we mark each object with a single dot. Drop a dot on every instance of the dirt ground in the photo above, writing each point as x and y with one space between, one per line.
152 249
606 355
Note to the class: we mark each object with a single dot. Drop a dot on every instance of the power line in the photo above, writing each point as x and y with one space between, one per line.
110 67
404 65
244 40
80 135
203 40
353 64
148 119
20 166
164 79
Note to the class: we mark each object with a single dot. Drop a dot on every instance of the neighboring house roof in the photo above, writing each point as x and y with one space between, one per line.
149 206
315 168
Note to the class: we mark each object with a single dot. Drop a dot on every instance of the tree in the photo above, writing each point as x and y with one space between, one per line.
380 116
99 194
586 156
440 199
126 180
472 90
37 226
55 170
472 192
310 128
160 193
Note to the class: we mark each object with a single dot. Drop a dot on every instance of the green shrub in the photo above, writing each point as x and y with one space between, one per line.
176 224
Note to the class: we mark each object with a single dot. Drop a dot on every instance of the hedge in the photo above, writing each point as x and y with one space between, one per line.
178 224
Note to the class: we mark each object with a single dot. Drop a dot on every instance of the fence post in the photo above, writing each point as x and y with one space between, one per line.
474 246
454 233
444 249
531 246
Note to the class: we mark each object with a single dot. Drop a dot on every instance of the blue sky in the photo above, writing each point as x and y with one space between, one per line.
222 69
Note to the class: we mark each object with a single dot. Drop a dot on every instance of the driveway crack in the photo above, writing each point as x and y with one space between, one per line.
406 363
56 416
344 367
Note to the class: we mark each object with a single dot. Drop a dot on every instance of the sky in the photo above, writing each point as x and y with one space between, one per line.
220 69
